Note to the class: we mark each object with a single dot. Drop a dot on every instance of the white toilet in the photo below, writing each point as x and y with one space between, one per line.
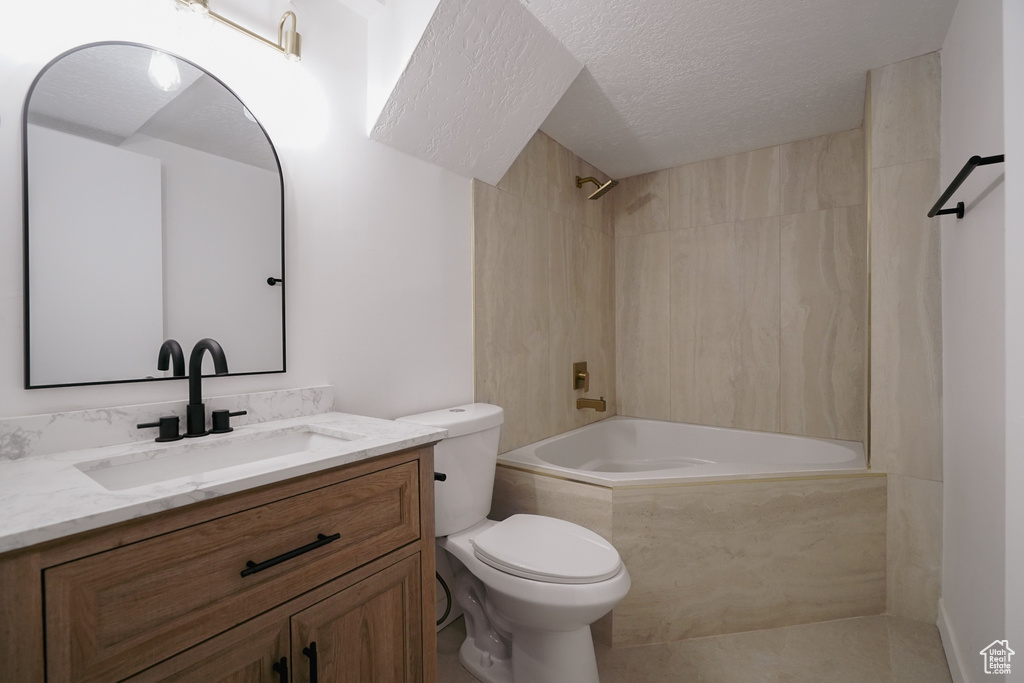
530 585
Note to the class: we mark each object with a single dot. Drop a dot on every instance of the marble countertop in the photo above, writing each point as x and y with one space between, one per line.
46 497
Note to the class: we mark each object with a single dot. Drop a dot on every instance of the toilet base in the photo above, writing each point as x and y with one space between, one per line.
482 665
539 656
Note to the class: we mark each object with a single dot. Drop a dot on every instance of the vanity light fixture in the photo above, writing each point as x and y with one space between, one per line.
289 42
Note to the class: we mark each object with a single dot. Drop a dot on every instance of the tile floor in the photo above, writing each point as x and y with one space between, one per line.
863 650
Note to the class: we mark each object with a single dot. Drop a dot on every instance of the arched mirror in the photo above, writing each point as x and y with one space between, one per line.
154 210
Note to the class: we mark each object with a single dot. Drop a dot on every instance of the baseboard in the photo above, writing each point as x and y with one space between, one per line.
950 646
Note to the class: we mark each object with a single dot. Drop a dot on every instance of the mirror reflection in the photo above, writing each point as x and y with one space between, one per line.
154 212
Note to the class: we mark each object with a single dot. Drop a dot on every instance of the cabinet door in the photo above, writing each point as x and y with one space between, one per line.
368 633
246 654
113 614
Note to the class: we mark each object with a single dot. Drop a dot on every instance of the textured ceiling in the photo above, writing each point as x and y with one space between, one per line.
669 82
104 93
104 90
483 77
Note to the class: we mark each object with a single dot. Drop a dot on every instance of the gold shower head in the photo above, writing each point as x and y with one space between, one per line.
601 189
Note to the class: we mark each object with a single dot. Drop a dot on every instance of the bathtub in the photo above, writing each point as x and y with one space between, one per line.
723 531
622 451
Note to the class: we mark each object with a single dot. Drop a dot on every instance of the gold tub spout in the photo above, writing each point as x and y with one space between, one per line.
598 404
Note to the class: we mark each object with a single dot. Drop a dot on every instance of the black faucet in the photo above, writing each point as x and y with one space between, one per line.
171 350
195 413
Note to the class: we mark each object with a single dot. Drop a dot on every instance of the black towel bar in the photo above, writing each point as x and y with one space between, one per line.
971 164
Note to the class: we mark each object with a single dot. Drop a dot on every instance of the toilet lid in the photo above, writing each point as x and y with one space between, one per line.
547 549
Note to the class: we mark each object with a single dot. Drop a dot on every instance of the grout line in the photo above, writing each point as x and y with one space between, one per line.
778 389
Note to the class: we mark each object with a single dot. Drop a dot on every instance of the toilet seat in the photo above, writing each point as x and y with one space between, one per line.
547 549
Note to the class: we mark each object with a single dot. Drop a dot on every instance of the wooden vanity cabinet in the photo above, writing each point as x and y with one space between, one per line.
189 594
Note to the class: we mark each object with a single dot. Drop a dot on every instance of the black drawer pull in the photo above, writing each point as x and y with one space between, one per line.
311 653
281 668
321 540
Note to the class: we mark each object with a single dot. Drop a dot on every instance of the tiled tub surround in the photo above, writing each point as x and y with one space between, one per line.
741 290
906 325
714 558
46 497
24 437
543 293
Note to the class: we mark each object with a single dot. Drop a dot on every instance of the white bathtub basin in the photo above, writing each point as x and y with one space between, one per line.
628 451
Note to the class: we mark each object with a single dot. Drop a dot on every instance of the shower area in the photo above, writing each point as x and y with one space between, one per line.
733 292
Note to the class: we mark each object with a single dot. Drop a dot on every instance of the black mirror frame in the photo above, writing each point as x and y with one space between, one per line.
25 218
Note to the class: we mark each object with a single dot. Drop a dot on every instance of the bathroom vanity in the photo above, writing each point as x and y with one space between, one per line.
327 575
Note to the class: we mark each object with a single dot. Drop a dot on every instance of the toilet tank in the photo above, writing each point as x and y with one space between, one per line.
467 458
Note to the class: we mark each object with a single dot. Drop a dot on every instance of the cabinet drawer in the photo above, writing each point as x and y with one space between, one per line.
113 614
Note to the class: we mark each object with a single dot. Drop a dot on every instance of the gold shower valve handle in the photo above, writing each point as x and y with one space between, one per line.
580 376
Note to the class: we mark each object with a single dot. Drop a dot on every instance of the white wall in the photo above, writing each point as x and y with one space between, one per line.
378 244
95 260
222 240
974 341
1013 77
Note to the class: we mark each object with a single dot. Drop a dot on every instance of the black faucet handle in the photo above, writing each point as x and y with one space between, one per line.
222 421
168 428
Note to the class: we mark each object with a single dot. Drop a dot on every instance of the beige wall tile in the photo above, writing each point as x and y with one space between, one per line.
825 172
559 178
512 312
824 278
543 175
544 294
640 204
712 191
914 548
598 286
582 321
905 107
534 336
688 280
756 183
906 322
517 492
720 558
680 202
567 319
499 261
725 325
642 325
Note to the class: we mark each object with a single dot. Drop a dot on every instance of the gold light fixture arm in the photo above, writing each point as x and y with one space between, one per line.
289 42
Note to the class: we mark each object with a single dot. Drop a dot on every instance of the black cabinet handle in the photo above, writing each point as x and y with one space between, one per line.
281 668
321 540
311 653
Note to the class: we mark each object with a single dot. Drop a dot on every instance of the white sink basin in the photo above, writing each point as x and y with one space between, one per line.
188 458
